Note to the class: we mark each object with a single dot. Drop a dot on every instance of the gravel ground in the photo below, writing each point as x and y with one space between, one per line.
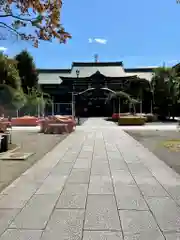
154 141
37 143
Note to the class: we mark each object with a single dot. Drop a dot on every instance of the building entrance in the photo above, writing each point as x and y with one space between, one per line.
94 103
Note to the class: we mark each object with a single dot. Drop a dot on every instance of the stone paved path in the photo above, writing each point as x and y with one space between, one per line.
98 184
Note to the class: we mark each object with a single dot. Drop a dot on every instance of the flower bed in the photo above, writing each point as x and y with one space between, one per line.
116 116
25 121
3 127
57 124
131 120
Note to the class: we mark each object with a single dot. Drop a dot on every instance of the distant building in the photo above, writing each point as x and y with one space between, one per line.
98 77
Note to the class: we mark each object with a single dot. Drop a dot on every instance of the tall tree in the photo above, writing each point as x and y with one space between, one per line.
27 71
9 74
166 88
11 95
33 20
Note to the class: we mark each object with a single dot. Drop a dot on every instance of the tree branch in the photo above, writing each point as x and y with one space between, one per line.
10 28
19 18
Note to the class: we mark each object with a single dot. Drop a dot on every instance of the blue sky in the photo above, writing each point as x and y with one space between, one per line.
138 32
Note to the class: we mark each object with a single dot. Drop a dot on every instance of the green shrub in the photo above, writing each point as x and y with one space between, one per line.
131 120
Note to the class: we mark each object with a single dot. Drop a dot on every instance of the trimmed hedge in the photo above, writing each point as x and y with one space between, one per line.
132 120
151 117
116 116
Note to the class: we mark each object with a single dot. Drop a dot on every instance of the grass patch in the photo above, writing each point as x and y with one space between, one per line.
172 145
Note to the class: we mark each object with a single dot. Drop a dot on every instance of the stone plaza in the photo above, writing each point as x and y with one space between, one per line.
98 184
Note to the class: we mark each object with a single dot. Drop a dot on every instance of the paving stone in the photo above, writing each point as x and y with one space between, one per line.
18 196
99 155
87 148
37 175
137 169
122 176
6 217
73 196
116 164
36 213
99 151
65 224
137 221
100 185
71 158
82 163
100 159
97 235
17 234
129 197
62 169
150 187
99 168
79 176
114 155
154 235
172 236
53 184
165 175
101 213
107 146
174 191
128 158
85 154
166 212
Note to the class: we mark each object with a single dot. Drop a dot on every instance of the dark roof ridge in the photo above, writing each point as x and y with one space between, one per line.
103 64
141 69
54 70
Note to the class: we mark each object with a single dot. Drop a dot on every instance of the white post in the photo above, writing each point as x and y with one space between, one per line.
151 107
141 103
119 105
38 110
72 104
52 108
141 106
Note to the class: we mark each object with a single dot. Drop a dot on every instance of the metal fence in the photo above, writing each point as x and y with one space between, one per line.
39 111
61 109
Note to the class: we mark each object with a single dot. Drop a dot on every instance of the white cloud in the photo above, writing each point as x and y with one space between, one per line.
98 40
173 62
90 40
3 49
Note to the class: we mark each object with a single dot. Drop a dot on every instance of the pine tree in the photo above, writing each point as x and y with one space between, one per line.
27 71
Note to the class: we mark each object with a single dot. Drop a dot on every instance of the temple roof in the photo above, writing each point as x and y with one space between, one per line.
97 75
87 69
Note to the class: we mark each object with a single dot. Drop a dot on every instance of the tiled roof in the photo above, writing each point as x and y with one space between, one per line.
108 69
